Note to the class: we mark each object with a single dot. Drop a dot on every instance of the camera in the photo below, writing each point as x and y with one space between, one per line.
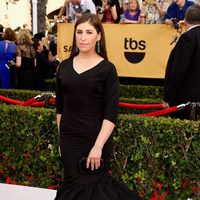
100 10
111 3
175 22
77 8
11 63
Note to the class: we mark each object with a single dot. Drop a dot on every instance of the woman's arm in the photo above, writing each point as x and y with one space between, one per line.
111 107
113 10
58 117
127 21
96 152
63 8
18 61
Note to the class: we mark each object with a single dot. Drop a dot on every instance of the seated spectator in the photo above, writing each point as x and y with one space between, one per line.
176 12
108 12
1 32
132 13
7 56
155 11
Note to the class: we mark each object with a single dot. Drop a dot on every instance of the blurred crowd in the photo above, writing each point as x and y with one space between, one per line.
171 12
26 60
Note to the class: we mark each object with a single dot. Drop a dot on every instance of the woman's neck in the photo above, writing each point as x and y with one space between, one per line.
132 12
87 56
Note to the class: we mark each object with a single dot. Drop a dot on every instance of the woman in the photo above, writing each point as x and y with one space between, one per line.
7 53
25 60
108 12
132 13
87 105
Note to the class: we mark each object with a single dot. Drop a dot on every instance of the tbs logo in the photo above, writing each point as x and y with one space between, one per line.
130 44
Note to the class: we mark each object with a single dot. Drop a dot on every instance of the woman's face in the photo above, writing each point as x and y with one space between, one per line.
132 5
86 37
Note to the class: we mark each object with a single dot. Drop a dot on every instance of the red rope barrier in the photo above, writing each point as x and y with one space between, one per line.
33 102
161 112
42 103
29 102
140 106
12 101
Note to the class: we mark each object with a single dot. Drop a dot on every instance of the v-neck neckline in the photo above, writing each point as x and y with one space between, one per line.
90 69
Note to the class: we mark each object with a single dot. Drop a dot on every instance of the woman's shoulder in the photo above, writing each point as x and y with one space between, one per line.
108 66
65 64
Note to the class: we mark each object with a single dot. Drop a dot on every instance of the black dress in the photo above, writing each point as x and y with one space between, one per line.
84 100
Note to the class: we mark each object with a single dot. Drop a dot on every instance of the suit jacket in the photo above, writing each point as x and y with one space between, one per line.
182 77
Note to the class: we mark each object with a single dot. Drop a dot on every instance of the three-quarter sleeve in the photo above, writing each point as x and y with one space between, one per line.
59 91
111 95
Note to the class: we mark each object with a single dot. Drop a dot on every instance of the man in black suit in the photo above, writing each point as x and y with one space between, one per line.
182 76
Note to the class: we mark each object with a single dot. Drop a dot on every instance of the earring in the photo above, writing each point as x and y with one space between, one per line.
98 47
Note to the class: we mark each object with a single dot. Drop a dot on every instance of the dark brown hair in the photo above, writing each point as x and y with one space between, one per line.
9 34
96 23
192 15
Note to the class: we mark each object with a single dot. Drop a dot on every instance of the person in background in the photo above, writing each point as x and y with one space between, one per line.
182 76
154 11
132 13
7 56
124 5
43 65
26 27
118 10
1 32
78 7
108 12
25 60
17 30
41 37
176 12
87 98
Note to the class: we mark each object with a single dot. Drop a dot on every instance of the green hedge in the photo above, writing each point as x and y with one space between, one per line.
154 154
140 91
129 91
28 150
159 152
23 95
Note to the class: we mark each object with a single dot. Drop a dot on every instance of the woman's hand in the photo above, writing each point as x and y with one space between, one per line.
164 104
94 157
